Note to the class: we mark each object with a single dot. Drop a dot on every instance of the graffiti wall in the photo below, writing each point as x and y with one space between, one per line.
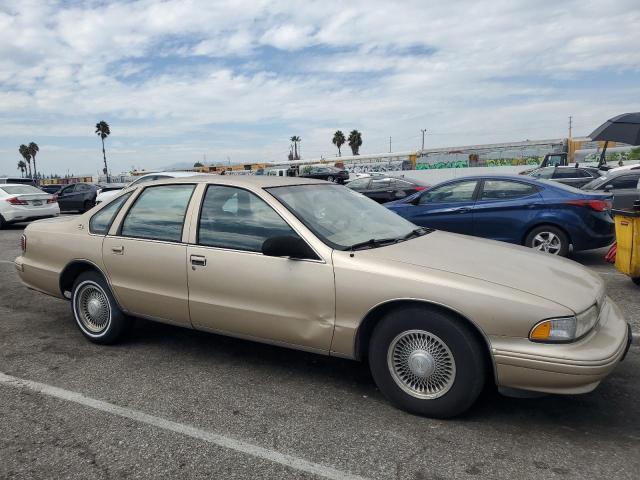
499 155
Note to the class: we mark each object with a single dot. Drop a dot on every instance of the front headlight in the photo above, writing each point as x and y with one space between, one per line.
565 329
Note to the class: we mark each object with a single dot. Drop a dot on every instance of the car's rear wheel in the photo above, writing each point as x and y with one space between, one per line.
548 239
96 312
636 280
2 223
427 361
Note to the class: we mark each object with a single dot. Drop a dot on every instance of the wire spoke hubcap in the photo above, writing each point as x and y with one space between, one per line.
92 308
547 242
421 364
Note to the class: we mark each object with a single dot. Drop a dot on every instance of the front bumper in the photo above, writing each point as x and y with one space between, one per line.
564 368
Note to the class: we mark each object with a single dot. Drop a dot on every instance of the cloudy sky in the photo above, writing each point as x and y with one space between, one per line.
178 80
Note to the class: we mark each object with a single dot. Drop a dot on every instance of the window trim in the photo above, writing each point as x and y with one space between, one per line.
115 215
135 201
199 217
537 190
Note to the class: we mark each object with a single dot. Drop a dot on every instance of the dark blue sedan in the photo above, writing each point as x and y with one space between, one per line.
544 215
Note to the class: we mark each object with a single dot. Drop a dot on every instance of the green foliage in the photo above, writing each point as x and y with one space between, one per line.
355 141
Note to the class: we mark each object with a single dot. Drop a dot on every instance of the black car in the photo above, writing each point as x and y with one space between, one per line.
386 188
331 174
78 196
624 185
574 176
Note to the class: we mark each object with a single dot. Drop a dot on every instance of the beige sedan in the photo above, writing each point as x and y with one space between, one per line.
316 266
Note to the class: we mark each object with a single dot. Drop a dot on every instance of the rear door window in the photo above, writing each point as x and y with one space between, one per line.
506 190
624 181
158 213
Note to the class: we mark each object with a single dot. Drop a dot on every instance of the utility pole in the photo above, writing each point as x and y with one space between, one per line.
389 144
423 130
570 125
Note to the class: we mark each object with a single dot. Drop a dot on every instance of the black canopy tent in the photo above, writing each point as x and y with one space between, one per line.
623 128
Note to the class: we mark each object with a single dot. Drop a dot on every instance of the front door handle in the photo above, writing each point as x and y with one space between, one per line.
198 260
461 210
118 250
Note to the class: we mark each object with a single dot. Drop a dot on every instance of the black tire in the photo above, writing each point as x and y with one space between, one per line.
636 280
552 234
2 223
88 205
330 179
468 354
104 330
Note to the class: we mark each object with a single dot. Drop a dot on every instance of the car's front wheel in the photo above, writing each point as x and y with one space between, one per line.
548 239
96 312
330 179
427 361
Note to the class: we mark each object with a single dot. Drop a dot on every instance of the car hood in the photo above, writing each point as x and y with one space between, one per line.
557 279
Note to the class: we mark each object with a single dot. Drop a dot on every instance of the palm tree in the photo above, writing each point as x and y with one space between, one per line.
24 151
355 141
338 140
33 150
22 167
103 131
295 139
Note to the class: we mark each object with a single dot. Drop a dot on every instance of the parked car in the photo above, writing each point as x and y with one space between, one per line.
51 188
78 196
573 176
18 181
311 265
540 214
22 203
107 194
328 173
386 188
624 185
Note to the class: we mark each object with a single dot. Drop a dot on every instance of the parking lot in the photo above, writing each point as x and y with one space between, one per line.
171 402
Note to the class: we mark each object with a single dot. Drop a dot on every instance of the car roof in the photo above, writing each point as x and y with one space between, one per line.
2 185
176 174
250 181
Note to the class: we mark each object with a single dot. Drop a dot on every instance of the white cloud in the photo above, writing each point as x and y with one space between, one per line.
195 74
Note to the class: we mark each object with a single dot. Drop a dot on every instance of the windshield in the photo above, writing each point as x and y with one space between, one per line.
341 217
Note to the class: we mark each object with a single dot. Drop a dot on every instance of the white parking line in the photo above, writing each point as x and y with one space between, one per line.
209 437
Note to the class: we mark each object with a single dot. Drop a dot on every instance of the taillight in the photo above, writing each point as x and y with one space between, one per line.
17 201
419 188
53 199
597 205
23 243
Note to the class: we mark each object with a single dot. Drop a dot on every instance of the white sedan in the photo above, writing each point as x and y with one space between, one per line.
21 203
106 195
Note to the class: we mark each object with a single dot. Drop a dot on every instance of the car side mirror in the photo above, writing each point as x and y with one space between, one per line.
288 246
416 200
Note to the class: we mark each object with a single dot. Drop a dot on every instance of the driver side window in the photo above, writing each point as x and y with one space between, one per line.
452 192
237 219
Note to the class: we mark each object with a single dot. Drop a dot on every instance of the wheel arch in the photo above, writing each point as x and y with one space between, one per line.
371 319
73 269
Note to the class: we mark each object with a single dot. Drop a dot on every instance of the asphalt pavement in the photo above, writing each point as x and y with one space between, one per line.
176 403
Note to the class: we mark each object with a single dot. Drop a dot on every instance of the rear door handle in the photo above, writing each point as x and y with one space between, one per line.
198 260
118 250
